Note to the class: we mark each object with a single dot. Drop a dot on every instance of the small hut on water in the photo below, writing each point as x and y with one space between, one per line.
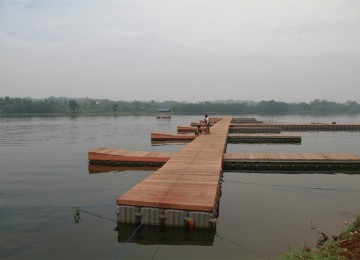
163 113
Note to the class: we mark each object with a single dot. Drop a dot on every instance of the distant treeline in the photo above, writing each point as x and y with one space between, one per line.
64 106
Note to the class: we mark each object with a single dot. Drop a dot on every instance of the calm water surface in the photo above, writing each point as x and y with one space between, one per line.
44 172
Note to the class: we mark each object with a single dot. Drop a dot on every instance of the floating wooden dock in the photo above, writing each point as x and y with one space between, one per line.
239 120
264 138
186 129
129 158
237 161
277 128
235 129
105 156
302 127
185 191
291 161
172 137
250 129
163 138
186 187
105 167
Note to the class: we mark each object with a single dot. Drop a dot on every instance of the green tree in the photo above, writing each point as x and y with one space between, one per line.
73 106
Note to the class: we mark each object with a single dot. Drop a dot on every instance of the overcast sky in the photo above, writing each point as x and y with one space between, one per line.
182 50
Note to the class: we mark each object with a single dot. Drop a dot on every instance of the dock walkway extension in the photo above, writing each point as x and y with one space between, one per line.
163 138
186 187
299 127
105 156
232 161
291 161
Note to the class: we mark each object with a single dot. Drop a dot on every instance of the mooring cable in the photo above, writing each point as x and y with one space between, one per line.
157 250
126 241
90 213
240 246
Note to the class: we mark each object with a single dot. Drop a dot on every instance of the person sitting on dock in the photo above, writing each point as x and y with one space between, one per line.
207 124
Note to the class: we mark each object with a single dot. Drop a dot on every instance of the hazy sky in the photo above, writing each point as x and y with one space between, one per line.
183 50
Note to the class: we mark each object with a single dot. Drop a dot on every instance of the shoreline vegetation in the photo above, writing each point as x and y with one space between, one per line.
62 106
346 245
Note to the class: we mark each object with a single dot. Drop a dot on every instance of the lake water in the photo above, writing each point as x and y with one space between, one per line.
44 172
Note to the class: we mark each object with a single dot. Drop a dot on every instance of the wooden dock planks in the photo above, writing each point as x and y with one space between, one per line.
263 138
195 175
231 161
107 156
163 138
111 155
288 157
300 127
293 161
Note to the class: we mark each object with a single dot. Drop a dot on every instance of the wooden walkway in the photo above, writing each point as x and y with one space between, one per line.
107 156
301 127
245 129
292 161
288 157
277 128
163 138
139 160
189 180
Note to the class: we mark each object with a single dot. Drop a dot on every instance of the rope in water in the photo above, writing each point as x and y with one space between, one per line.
240 246
90 213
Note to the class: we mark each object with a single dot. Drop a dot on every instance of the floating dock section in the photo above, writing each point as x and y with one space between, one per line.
163 138
235 129
264 138
233 161
172 137
291 161
277 128
105 156
185 191
302 127
239 120
127 158
186 129
251 129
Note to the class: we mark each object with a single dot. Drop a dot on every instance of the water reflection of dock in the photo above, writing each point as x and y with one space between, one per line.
150 235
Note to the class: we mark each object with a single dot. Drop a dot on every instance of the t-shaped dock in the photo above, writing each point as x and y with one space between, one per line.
185 191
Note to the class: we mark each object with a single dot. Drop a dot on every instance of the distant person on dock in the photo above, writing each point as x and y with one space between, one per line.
207 124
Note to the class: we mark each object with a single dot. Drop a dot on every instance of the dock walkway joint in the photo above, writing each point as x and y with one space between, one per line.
187 187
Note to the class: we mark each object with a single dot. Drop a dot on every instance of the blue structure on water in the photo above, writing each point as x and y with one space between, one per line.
163 113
